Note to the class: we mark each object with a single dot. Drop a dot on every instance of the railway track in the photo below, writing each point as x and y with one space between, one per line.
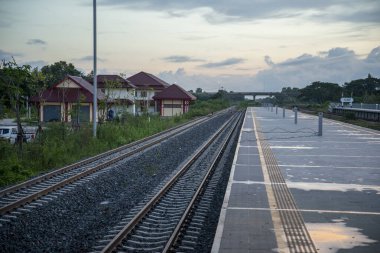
36 188
158 224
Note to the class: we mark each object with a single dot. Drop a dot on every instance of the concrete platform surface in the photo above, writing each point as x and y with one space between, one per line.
288 186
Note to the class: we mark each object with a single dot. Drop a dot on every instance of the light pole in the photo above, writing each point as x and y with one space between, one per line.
95 100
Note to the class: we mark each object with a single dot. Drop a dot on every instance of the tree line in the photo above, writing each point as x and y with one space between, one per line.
365 90
18 83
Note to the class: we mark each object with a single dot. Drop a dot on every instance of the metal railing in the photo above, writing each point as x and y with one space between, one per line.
357 106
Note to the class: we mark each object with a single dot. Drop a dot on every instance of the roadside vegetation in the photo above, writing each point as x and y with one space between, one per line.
347 118
60 144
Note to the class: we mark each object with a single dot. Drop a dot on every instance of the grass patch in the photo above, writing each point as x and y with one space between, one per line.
358 122
347 118
60 145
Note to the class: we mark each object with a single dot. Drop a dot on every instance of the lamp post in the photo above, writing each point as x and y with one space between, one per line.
95 100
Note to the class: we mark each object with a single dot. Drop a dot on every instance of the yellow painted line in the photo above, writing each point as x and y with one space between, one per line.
328 167
348 156
299 141
277 224
306 210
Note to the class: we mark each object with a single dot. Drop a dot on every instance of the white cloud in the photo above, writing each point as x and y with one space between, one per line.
268 60
181 58
374 56
226 62
243 10
336 65
36 64
7 56
88 58
209 83
36 42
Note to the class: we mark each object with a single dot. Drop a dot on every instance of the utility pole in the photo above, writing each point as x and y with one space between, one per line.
95 100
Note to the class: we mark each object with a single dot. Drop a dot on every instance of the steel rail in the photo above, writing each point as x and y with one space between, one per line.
70 167
71 179
169 247
36 195
112 245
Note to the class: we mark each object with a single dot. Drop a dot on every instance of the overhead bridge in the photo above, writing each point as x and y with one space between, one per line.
240 95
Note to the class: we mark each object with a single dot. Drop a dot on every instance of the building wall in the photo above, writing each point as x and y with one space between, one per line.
120 109
171 108
120 93
114 94
68 84
152 109
145 94
146 97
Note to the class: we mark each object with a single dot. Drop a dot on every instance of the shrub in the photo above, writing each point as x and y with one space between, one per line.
60 144
349 116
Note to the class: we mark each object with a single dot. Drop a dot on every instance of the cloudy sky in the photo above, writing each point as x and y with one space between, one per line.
240 45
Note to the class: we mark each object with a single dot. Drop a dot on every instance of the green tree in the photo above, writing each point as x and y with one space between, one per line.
89 77
288 95
16 82
320 92
221 94
56 72
37 88
363 89
198 90
112 95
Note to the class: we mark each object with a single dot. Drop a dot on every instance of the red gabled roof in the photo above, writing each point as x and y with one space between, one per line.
59 95
174 92
70 95
102 79
145 80
81 82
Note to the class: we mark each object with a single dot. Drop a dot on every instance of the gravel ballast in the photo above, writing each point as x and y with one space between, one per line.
74 221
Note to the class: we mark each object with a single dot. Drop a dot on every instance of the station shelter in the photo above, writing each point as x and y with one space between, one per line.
173 100
68 101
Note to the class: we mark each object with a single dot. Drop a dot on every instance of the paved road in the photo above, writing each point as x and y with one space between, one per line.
334 178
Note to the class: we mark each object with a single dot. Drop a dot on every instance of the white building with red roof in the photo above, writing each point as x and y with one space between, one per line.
147 85
119 95
69 100
173 100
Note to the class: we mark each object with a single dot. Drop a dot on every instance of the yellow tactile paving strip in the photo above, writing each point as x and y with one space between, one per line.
297 236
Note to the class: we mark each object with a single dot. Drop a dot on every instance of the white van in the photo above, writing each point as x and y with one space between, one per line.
10 133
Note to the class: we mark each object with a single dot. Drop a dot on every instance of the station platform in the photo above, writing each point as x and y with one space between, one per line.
291 190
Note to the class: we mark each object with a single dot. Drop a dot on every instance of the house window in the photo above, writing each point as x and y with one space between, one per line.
143 94
81 113
52 113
